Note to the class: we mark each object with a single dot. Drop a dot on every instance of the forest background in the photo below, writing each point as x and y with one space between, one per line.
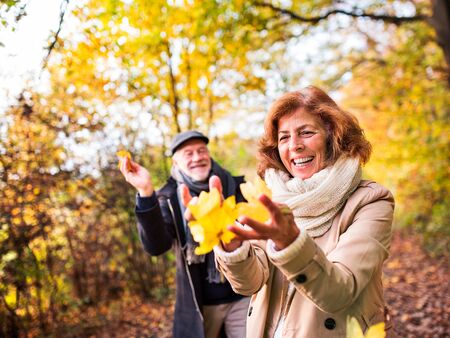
131 74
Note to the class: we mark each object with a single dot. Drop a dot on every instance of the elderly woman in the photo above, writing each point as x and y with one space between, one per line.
318 260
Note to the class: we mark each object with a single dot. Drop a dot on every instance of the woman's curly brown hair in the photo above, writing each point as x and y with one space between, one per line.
344 135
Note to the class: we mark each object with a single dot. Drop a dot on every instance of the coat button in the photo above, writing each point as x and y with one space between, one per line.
250 310
330 323
301 278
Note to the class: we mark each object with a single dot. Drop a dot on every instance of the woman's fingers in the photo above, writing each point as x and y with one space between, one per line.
273 209
245 233
259 227
278 212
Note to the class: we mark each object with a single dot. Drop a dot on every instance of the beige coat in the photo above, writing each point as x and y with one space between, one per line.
335 276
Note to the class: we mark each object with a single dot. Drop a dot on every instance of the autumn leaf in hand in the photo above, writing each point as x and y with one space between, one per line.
253 208
211 220
355 331
122 155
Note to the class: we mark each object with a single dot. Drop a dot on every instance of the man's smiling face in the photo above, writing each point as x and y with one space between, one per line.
193 159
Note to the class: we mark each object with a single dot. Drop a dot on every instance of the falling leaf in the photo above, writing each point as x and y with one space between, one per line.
253 208
355 331
211 220
122 155
376 331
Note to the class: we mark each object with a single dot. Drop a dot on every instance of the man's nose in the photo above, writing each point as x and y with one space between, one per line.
196 156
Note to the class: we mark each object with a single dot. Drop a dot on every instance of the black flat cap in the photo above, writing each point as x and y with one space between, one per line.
181 138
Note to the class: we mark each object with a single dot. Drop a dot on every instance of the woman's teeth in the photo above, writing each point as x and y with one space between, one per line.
302 161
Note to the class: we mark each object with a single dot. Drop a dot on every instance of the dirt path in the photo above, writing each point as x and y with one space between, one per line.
416 291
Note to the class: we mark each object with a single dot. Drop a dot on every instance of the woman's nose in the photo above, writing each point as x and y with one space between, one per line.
295 144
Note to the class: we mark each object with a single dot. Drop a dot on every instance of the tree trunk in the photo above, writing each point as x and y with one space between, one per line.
440 20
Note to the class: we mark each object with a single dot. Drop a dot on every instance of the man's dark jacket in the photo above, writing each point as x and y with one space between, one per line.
160 228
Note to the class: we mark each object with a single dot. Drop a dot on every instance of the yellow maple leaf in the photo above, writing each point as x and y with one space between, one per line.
207 202
253 208
211 220
376 331
122 154
251 190
355 331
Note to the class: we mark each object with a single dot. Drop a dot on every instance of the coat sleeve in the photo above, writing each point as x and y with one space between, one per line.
246 276
334 281
156 226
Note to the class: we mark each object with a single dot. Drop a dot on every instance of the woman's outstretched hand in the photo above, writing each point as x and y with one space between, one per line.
280 228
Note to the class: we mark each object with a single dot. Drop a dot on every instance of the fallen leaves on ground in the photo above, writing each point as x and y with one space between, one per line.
417 289
130 317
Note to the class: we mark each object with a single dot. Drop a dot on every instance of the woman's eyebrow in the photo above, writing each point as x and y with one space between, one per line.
299 128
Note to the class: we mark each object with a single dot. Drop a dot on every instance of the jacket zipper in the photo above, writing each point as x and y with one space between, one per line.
197 307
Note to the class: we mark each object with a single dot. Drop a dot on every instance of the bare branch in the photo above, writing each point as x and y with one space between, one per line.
52 45
173 95
396 20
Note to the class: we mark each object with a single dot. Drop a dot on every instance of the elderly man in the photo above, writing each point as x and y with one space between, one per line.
205 301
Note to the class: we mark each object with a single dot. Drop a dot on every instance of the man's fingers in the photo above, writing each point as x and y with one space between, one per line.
132 165
185 194
123 167
214 182
126 166
188 215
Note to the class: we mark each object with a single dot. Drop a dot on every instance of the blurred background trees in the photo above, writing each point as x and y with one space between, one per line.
131 74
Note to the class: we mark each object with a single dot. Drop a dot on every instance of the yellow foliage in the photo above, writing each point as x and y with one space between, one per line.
122 154
355 331
212 217
252 190
253 208
211 220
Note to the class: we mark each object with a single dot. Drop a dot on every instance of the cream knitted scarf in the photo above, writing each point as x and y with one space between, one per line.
316 200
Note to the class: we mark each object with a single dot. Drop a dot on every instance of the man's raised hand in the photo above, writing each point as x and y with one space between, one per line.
137 176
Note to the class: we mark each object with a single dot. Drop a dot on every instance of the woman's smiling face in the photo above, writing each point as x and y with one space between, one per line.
302 142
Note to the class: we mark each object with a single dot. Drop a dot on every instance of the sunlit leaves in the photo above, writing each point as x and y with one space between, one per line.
122 155
404 108
211 220
355 331
212 217
253 208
